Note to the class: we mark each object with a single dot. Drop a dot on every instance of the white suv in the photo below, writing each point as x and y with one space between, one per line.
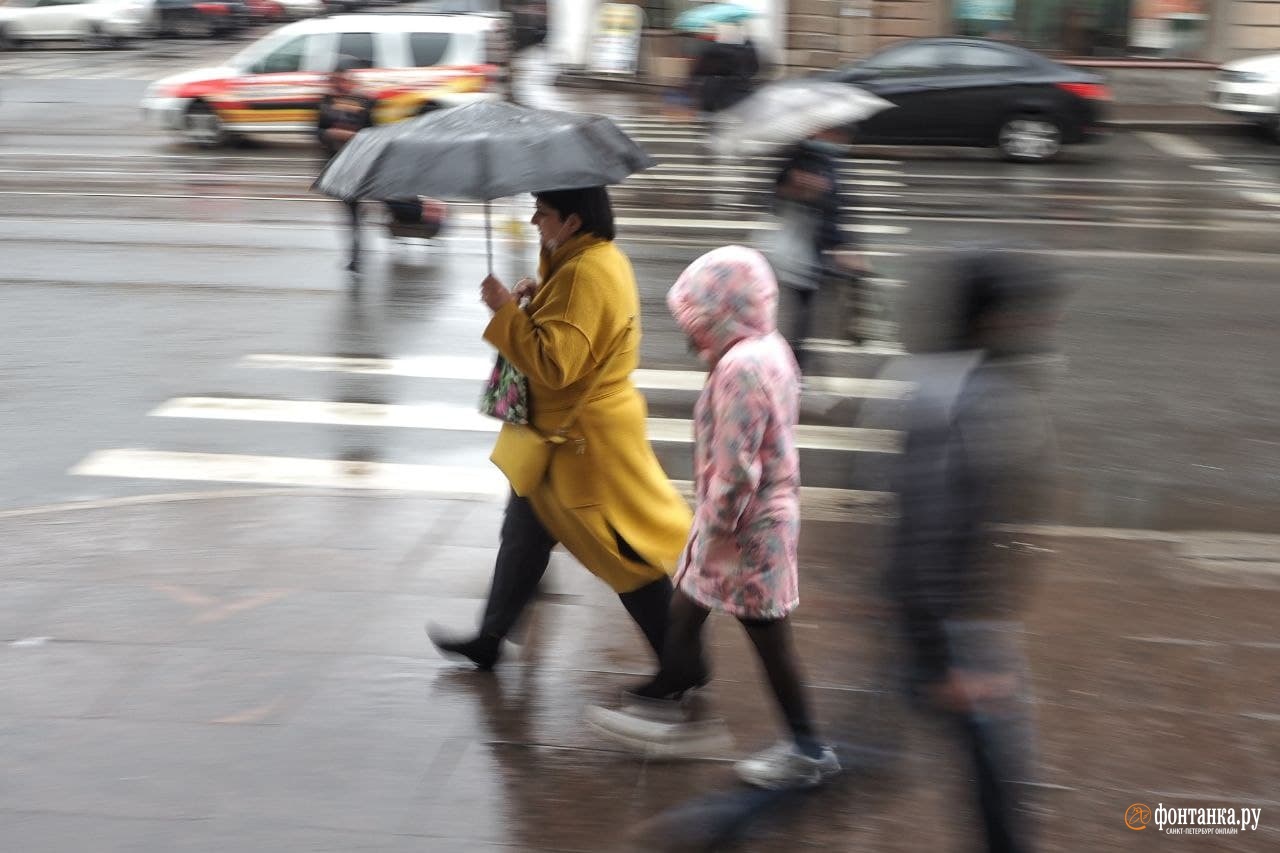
418 62
96 22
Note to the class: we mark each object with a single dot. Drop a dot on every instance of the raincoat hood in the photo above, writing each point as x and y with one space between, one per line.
726 296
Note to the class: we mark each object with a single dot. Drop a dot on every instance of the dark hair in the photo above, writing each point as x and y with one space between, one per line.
591 204
991 280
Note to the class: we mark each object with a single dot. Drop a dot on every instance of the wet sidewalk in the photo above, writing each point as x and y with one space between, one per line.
247 671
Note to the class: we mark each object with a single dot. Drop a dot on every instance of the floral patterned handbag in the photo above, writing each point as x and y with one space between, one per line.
521 452
506 395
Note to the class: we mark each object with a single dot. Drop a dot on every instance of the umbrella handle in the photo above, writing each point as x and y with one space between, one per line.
488 236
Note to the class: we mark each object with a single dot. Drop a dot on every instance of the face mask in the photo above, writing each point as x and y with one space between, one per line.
555 242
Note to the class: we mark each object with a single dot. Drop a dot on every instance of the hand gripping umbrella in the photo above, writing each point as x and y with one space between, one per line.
482 151
789 111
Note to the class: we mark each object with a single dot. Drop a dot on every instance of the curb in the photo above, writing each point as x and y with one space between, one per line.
1176 126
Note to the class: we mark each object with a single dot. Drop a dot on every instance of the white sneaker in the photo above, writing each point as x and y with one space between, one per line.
660 738
783 765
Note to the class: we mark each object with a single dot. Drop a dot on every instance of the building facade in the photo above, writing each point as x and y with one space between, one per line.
1104 32
1132 37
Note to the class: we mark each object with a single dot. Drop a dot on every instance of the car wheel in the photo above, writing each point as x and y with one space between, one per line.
7 42
1030 138
202 126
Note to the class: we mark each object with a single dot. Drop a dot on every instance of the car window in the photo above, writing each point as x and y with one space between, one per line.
358 45
426 49
910 59
285 59
973 57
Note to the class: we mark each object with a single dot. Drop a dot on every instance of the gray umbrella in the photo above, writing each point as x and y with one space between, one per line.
482 151
788 111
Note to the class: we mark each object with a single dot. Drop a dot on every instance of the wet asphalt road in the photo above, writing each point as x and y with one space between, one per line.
141 274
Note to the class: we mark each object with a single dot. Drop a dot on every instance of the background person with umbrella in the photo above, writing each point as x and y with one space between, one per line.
807 119
727 60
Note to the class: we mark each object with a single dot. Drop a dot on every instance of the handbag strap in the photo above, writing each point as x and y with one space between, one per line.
595 383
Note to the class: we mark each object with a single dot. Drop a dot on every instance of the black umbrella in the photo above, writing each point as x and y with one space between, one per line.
482 151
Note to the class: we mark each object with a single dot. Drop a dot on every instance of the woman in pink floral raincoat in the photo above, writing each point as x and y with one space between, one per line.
741 555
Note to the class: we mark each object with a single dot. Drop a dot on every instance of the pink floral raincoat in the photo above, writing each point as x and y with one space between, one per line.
741 555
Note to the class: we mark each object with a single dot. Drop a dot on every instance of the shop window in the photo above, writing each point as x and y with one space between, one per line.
1156 29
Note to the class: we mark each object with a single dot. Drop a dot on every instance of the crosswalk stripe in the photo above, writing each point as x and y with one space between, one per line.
468 368
455 482
663 224
458 418
653 175
445 482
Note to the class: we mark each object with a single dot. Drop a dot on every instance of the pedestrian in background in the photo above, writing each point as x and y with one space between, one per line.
811 242
742 552
605 497
974 461
724 69
343 113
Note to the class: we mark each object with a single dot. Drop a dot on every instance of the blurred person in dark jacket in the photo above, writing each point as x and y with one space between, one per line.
343 113
811 242
975 458
725 69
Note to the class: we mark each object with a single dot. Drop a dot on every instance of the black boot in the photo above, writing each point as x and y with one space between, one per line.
483 650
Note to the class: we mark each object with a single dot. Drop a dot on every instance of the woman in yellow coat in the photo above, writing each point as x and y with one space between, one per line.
605 497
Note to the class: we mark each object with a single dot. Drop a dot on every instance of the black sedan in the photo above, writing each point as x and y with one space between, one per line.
973 92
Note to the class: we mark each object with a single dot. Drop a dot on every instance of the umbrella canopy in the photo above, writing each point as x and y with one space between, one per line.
706 17
482 151
789 111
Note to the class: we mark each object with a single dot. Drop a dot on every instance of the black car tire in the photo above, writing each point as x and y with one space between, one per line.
1030 138
6 41
97 37
202 127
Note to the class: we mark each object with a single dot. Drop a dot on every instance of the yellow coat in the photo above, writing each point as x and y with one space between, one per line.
610 486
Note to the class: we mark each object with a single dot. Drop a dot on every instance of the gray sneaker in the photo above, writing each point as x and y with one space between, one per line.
661 737
784 766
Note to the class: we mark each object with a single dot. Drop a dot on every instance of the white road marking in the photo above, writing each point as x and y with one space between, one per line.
1268 198
1180 146
472 218
458 418
477 369
478 483
652 175
449 482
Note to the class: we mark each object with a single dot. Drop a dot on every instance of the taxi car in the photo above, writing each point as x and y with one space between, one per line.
418 63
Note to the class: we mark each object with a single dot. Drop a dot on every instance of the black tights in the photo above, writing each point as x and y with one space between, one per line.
684 664
523 554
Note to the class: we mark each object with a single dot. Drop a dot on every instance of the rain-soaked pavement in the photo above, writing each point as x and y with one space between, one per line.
213 614
248 672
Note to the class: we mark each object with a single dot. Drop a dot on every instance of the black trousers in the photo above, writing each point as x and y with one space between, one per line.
353 212
523 555
801 326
